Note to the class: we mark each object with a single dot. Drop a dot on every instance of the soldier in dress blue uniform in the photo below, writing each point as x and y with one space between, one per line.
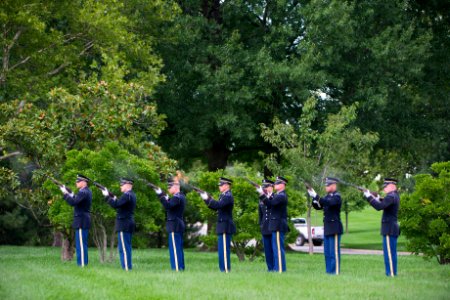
331 205
225 225
390 229
264 218
81 203
175 226
125 224
278 225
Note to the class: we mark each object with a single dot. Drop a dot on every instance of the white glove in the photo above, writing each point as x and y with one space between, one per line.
260 190
64 189
114 198
158 191
105 192
377 198
367 193
166 197
204 196
312 193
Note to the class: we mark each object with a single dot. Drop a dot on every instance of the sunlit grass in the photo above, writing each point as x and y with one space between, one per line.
38 273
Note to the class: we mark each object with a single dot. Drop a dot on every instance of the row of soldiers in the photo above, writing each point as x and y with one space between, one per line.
273 220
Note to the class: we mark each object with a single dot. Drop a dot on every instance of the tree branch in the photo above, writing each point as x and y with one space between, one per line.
10 155
6 53
88 46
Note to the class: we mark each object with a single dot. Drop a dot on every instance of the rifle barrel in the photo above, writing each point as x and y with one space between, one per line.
252 182
308 186
358 187
103 188
58 183
198 190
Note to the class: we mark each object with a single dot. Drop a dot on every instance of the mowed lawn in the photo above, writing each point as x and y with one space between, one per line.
38 273
364 230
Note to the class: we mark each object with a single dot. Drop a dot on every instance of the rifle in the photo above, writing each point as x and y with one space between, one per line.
102 187
198 190
358 187
307 185
153 186
252 182
58 183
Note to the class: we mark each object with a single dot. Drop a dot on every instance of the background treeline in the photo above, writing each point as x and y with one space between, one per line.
304 88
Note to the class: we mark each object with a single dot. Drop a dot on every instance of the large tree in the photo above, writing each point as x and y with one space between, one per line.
380 54
229 67
234 64
57 43
75 74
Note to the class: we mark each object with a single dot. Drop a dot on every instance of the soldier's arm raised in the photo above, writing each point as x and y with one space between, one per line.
75 199
376 203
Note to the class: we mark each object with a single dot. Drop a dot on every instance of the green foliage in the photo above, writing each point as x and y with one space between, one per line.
19 223
96 58
69 121
229 71
235 64
8 180
106 166
49 44
340 149
46 131
425 214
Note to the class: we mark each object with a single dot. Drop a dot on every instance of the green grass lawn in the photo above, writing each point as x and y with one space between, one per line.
38 273
364 230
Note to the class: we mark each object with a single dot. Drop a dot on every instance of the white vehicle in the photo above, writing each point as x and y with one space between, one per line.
316 232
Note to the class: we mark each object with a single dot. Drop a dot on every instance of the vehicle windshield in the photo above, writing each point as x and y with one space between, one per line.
298 221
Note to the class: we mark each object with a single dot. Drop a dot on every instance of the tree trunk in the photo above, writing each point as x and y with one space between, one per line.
442 260
209 228
100 238
255 251
308 224
57 239
346 221
217 156
67 247
160 239
211 10
346 215
112 253
240 250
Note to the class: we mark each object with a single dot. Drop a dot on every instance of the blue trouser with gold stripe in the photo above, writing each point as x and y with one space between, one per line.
224 242
81 244
124 245
279 260
332 253
390 254
176 251
268 251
